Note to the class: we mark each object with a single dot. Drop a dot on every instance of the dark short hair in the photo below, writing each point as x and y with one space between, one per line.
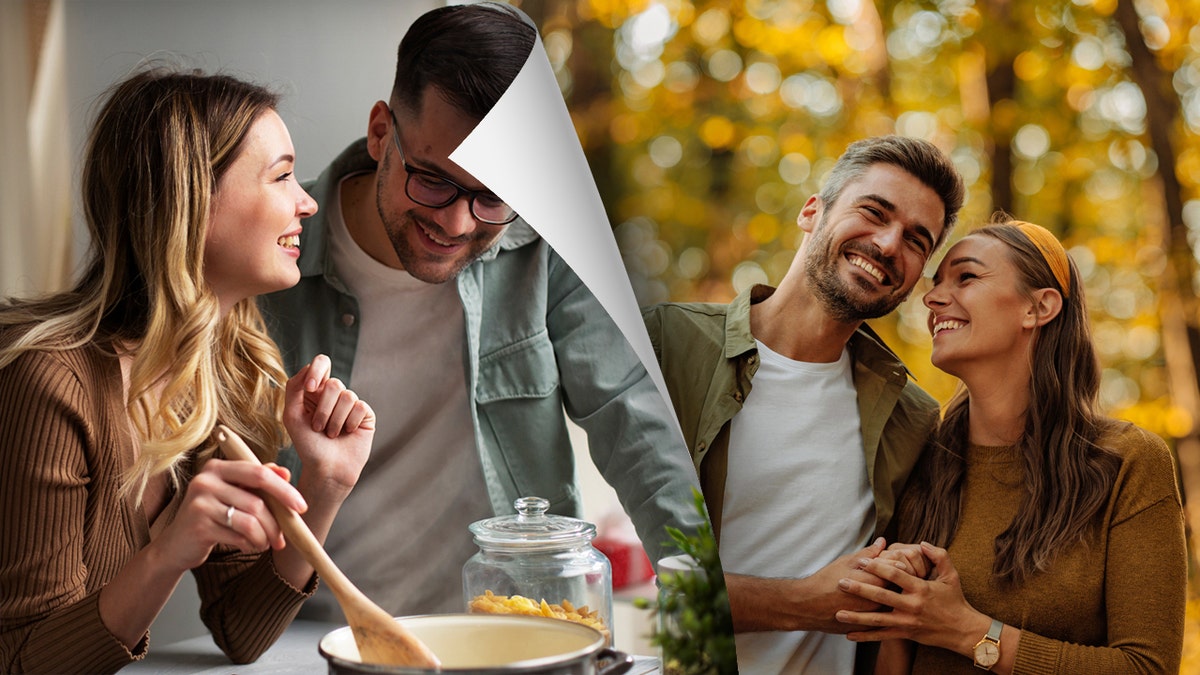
918 157
470 53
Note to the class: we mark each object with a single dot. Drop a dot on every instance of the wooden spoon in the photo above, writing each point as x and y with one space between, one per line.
380 638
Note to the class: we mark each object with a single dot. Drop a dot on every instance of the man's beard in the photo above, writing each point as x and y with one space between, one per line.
397 228
834 293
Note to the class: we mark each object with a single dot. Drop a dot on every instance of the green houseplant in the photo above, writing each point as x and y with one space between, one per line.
694 628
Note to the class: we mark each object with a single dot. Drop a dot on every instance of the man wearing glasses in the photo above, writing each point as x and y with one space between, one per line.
465 331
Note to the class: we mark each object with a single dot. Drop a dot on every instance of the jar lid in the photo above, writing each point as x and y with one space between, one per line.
532 528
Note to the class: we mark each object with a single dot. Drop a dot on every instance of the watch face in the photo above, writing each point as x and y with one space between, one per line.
987 654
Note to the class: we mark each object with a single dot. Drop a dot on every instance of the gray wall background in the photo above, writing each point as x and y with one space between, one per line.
331 60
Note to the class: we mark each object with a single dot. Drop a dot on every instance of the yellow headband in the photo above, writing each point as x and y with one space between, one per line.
1052 251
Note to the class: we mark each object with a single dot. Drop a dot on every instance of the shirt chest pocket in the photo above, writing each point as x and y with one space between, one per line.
525 368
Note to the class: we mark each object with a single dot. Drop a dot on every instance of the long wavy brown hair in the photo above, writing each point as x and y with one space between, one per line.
155 156
1066 474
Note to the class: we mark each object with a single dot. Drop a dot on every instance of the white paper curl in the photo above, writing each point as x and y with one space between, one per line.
527 152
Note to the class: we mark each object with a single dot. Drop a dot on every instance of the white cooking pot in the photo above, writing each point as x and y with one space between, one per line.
491 643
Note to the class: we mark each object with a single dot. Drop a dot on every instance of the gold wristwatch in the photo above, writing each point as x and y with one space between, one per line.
987 650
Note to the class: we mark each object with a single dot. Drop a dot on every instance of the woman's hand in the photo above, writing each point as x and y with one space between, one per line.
331 428
221 506
931 611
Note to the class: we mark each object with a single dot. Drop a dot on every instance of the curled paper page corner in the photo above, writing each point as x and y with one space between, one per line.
527 151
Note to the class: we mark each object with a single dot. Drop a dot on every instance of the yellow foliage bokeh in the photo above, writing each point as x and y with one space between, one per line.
1039 107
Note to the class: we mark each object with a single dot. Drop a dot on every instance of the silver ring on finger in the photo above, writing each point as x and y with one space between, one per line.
229 516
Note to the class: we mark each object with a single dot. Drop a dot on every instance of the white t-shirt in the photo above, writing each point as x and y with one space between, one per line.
423 484
796 497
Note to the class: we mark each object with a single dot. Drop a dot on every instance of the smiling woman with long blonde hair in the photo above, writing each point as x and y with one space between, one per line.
109 391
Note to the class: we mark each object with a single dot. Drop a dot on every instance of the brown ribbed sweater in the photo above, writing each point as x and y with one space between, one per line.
1114 605
65 444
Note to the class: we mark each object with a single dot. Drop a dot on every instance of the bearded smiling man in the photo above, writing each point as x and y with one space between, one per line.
801 472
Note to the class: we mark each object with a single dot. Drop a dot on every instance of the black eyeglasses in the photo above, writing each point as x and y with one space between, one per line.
429 189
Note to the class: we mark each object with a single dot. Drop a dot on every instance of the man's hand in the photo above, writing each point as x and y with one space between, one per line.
808 604
917 564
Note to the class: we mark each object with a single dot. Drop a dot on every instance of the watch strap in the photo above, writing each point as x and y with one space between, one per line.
993 633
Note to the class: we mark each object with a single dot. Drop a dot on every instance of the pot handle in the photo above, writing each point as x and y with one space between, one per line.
612 662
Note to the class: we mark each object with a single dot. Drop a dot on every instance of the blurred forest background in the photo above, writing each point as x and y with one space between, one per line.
707 124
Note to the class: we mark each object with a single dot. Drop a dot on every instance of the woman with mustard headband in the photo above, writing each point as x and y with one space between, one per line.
1046 538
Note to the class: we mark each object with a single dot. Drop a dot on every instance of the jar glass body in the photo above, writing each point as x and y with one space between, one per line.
555 571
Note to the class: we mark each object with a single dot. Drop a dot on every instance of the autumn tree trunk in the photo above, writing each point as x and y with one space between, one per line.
1001 89
1181 332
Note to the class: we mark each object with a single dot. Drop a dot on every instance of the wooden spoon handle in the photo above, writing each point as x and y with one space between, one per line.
380 639
294 528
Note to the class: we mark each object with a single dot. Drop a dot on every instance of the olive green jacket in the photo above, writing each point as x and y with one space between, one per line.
708 358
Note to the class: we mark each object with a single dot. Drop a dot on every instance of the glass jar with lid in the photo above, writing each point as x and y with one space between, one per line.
539 564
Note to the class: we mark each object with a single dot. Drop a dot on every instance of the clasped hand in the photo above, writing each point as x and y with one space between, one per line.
825 599
922 597
332 431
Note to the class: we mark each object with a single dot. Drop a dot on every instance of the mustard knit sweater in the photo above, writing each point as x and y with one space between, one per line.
1112 605
65 444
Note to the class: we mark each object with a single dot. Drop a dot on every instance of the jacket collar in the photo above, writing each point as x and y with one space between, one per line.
738 338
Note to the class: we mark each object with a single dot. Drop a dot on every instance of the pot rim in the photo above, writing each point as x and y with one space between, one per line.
528 665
